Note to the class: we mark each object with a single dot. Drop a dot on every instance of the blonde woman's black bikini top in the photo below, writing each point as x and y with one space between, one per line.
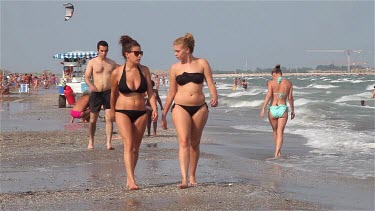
185 78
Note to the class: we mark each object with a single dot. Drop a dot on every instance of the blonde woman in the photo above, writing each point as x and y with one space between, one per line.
279 91
129 82
189 110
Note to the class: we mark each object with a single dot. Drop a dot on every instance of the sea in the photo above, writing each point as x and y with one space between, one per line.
335 128
337 131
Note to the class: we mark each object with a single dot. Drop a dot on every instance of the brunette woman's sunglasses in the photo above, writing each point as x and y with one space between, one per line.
137 53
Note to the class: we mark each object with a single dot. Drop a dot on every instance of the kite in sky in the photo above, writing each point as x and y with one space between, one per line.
69 10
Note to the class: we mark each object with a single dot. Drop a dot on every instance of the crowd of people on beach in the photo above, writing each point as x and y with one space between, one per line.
27 83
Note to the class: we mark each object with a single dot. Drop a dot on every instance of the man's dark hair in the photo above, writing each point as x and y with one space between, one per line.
102 43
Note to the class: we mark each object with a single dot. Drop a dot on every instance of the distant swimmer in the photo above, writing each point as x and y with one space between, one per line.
244 84
373 93
362 103
279 90
234 87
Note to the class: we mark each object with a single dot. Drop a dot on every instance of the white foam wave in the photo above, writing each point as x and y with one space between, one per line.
300 93
244 93
320 86
357 106
303 101
239 104
326 141
223 86
335 141
305 79
357 81
297 87
355 97
252 128
370 87
338 81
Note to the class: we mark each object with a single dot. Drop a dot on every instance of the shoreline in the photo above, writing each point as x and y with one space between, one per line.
53 170
285 73
216 75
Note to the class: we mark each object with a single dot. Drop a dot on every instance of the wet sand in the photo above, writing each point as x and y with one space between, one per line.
47 169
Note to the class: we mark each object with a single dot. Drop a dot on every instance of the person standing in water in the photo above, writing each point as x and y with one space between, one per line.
189 111
279 91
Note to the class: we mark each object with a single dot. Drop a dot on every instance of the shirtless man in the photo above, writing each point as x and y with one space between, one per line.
81 109
100 69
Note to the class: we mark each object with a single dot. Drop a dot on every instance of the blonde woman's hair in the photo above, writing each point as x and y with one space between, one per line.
186 41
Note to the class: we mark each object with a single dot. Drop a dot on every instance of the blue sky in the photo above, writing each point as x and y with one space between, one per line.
227 33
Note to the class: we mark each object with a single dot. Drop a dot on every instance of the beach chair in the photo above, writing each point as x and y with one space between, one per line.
24 88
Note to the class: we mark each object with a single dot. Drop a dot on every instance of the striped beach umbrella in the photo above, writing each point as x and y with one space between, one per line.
76 55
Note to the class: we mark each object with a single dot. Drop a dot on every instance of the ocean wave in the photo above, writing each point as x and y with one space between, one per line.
252 128
355 97
239 104
320 86
303 101
336 141
370 87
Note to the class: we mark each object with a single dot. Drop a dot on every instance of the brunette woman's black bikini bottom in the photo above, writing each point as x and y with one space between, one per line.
132 114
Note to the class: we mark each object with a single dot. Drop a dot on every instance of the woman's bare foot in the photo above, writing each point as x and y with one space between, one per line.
109 147
132 186
182 186
193 181
193 184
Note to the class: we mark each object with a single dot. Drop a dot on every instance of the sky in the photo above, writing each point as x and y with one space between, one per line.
229 34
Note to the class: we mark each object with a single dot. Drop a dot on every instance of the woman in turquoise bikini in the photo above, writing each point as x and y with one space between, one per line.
279 90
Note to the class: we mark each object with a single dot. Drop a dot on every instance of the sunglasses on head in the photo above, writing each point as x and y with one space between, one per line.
137 53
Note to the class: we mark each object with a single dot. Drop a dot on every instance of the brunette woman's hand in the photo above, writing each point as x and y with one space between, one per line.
164 122
112 115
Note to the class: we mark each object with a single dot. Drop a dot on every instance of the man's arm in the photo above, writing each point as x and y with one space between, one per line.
88 74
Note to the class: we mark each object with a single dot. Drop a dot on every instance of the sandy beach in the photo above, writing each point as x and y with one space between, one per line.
45 166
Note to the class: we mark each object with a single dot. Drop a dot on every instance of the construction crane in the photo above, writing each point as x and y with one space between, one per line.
347 52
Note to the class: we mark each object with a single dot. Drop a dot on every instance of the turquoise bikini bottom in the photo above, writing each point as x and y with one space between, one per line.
278 111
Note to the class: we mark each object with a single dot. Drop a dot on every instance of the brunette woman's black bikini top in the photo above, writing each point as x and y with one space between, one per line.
185 78
123 86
